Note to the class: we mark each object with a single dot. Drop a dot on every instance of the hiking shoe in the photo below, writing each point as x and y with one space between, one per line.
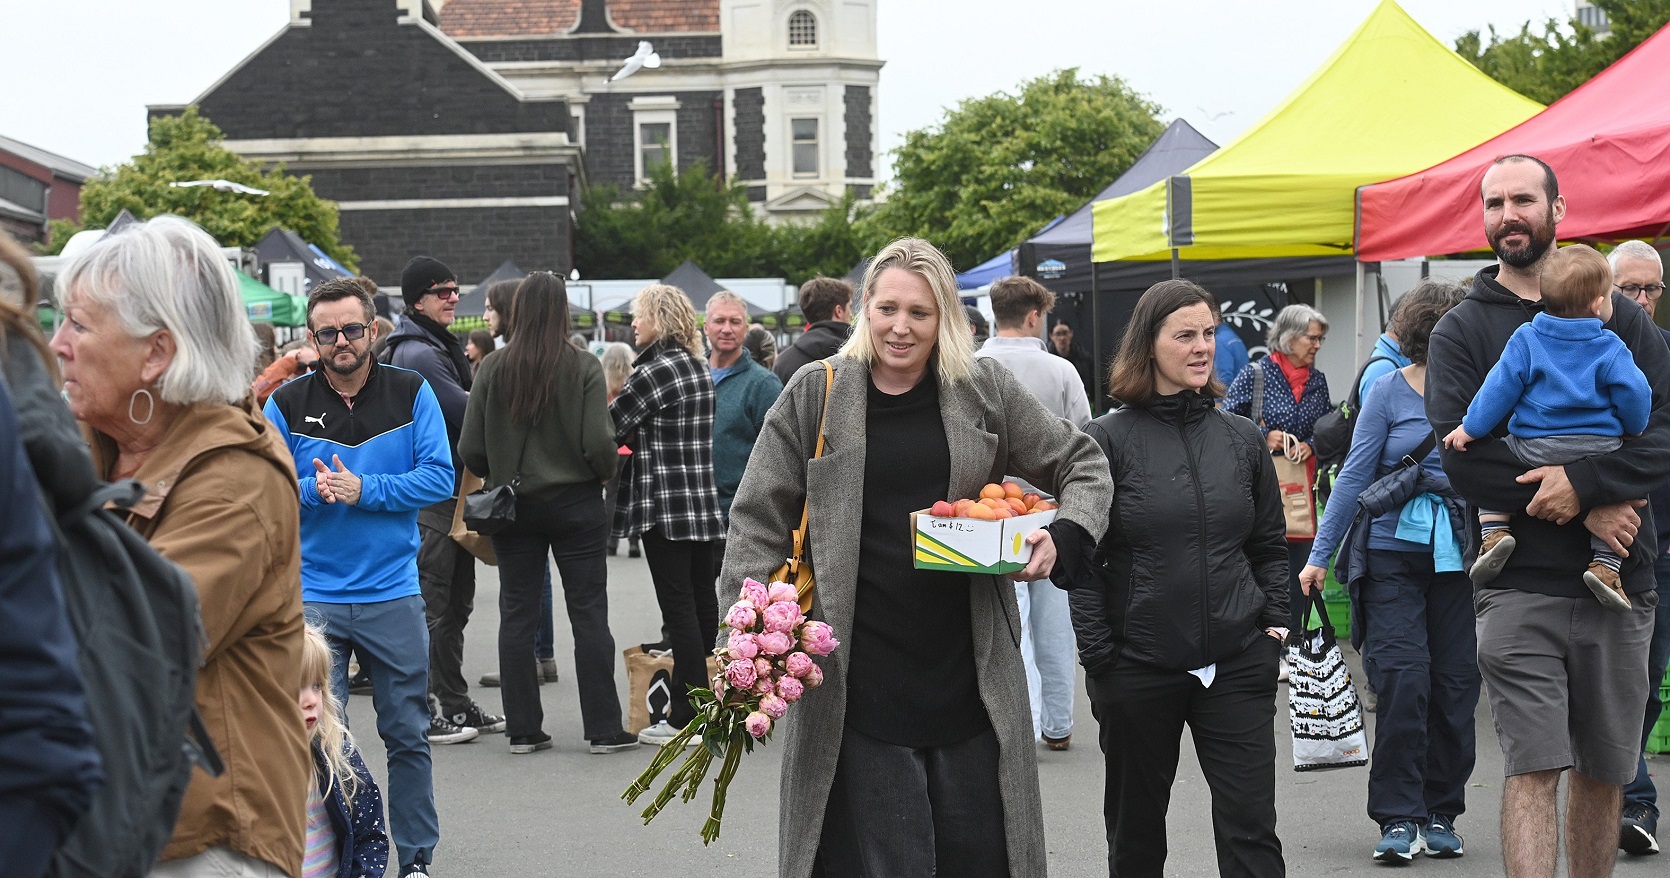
1441 839
473 717
1494 553
661 733
1061 743
530 744
614 743
445 731
547 670
1399 843
1637 829
1603 581
360 683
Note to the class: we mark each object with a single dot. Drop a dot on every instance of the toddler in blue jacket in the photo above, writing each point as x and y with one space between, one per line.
1573 391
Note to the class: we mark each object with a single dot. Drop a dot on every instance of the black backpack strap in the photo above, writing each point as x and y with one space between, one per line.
1354 395
202 747
1258 395
1415 457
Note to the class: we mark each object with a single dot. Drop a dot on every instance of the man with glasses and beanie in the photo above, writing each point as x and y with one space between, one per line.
445 569
1638 272
370 446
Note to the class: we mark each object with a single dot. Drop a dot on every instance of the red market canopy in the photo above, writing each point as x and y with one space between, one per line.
1608 143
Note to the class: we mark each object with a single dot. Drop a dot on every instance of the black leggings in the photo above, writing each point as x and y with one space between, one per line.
682 571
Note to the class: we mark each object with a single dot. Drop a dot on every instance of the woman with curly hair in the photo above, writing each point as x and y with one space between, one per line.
668 495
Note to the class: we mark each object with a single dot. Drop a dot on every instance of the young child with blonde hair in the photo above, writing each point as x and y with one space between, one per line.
345 836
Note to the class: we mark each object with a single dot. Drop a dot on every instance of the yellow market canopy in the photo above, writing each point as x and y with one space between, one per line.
1391 100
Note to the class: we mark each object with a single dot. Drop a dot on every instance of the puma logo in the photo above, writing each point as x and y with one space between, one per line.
319 420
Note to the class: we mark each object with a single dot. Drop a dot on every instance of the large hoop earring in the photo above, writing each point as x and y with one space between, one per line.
150 406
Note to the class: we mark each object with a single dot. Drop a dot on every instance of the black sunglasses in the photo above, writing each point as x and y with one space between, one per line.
351 332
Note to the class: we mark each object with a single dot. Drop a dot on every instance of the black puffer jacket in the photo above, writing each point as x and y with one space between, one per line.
1194 564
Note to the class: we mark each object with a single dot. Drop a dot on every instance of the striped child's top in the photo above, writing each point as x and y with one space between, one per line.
319 860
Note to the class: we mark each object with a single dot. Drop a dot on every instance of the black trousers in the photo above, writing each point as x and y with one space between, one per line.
446 574
682 571
904 812
1142 711
572 528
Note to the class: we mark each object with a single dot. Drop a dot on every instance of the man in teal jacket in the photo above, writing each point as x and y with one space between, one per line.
743 392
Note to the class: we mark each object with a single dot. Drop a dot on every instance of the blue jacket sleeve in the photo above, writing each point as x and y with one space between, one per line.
1502 388
1362 462
1628 390
1238 398
308 485
370 855
430 480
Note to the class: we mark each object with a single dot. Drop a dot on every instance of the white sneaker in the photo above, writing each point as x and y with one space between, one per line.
661 733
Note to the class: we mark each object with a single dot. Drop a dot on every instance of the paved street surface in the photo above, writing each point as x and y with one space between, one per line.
559 812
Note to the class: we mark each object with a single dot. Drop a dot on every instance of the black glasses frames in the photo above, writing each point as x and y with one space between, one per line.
351 332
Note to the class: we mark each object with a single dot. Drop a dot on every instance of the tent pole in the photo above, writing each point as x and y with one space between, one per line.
1175 272
1095 338
1358 349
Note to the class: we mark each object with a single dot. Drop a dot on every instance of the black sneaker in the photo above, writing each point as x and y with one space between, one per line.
1637 829
530 744
445 731
632 550
414 869
615 743
360 683
476 718
547 670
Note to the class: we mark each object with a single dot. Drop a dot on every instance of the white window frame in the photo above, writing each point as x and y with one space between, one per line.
578 111
817 31
816 144
653 110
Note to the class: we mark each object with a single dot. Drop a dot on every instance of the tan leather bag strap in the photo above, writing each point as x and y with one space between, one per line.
806 508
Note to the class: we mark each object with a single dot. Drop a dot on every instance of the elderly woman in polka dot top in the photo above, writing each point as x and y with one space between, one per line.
1295 395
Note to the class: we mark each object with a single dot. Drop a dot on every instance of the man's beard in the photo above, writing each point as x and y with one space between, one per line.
1540 240
330 363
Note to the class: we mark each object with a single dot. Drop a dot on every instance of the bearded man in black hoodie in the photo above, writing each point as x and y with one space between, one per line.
1565 676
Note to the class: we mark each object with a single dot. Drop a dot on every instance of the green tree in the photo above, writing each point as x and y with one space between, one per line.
1546 64
997 168
678 215
190 147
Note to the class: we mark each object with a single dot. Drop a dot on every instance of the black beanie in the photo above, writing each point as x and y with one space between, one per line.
421 274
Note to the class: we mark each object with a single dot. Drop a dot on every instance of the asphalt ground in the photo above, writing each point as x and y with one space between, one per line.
559 813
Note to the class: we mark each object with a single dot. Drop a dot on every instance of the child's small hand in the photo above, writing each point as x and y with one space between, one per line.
1457 440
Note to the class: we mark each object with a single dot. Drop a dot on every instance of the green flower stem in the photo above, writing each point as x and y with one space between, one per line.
721 785
663 758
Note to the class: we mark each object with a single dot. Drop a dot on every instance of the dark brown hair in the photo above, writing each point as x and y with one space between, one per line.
501 297
820 296
338 288
541 359
19 319
1131 379
1573 279
1417 312
1015 297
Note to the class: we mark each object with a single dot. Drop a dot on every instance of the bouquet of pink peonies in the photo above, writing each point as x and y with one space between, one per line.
765 666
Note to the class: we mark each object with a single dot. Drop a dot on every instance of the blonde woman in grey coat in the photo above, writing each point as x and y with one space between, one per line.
916 758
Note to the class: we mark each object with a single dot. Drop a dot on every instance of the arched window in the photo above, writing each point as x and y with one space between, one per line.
803 30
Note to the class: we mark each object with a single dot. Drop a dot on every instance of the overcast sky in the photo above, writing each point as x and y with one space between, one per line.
82 71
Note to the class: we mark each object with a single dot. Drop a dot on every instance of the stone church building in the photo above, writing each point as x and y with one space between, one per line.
468 129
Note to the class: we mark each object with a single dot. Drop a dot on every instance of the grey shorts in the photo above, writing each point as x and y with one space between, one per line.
1566 679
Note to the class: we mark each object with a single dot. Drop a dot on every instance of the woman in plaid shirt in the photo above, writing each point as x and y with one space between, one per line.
667 491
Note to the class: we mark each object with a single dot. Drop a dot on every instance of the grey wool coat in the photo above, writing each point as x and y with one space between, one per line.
993 426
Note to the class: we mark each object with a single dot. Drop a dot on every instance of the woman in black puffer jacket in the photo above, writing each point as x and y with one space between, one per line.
1184 617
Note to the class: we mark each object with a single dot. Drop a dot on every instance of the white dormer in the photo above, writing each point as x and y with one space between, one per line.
774 29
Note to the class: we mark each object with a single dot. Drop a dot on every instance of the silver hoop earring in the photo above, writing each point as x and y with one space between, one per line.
150 406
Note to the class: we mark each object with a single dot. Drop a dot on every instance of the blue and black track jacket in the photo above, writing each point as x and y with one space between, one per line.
394 438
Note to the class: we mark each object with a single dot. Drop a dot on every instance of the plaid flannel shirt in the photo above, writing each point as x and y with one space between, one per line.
667 482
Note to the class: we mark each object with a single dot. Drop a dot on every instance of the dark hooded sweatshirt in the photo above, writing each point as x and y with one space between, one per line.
1550 558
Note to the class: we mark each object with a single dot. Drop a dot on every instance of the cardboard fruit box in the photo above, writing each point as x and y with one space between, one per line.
974 545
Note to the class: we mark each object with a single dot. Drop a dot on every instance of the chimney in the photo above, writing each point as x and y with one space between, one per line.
594 18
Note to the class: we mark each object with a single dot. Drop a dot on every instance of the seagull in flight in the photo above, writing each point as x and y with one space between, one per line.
1213 117
221 186
644 57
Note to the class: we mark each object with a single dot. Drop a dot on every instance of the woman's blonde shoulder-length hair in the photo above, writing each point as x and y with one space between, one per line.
669 310
953 354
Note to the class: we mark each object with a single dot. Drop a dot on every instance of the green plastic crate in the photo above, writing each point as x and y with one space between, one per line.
1659 741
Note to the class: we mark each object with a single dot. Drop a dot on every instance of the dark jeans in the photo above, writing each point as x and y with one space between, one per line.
1142 710
682 571
571 527
545 642
1641 791
1421 655
1298 555
446 573
901 812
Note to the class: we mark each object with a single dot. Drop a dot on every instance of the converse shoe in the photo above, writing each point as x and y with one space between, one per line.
614 743
530 744
1494 553
475 718
445 731
661 733
1603 581
1399 843
1442 841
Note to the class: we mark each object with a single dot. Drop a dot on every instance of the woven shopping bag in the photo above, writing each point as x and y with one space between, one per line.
1322 704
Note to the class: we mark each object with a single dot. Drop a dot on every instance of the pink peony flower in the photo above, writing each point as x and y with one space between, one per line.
763 686
756 593
773 706
741 674
813 678
741 616
758 724
782 616
782 592
818 638
775 643
798 664
742 646
763 668
790 689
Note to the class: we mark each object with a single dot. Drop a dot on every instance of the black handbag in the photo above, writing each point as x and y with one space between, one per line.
491 510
